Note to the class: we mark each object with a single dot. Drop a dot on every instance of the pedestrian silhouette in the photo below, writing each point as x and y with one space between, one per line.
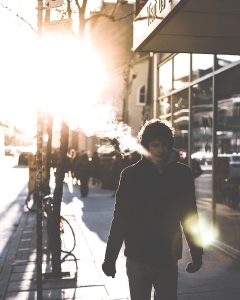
95 169
82 172
155 200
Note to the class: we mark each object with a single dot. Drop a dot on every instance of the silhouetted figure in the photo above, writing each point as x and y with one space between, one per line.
95 168
154 200
72 156
119 162
69 163
54 159
83 171
135 157
196 168
117 167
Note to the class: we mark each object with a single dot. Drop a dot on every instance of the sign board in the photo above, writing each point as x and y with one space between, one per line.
53 3
149 18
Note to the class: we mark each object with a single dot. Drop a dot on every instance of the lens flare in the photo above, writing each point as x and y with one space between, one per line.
209 232
202 229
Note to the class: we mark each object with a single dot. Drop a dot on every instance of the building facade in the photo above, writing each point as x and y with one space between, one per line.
138 107
199 95
196 88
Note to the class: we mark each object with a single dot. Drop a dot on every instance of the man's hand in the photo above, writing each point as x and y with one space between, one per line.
194 266
109 269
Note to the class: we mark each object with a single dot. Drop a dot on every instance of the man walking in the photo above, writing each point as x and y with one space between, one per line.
155 201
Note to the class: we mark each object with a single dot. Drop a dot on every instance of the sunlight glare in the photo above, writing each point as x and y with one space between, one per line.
209 233
206 233
16 56
60 75
72 77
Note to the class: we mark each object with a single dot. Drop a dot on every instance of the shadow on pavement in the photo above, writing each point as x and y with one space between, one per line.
18 258
95 210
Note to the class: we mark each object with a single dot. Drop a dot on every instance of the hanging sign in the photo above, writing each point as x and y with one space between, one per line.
53 3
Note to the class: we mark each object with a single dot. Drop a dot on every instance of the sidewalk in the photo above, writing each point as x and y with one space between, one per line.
90 218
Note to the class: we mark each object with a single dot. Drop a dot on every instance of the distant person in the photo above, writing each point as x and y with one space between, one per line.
155 200
69 163
54 159
196 168
83 171
120 161
95 169
135 157
116 169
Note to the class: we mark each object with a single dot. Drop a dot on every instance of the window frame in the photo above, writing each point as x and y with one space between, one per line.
140 94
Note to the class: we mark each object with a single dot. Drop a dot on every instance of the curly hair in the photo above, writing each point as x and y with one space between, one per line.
156 129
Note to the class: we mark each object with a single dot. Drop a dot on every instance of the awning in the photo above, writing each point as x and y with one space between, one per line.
192 26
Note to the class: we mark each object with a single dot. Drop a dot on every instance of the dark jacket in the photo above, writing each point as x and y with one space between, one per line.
150 212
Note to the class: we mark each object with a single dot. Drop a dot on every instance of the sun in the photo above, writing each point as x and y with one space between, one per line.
72 78
60 75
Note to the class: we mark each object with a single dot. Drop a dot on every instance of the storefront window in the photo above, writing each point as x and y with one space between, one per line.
202 64
228 160
165 77
181 65
224 60
165 109
181 121
201 150
201 153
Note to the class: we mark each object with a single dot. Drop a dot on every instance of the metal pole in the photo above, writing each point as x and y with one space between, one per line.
190 124
155 85
57 199
39 174
215 153
39 203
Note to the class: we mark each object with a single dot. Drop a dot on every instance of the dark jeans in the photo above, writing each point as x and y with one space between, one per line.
142 278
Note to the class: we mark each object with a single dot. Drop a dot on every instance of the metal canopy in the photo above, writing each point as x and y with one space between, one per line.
192 26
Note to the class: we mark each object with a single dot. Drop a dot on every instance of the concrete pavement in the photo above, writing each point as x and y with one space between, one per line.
90 218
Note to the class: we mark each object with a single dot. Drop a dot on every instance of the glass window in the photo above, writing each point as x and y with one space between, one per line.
181 70
165 109
142 95
228 121
228 166
165 77
201 152
202 64
224 60
202 149
181 120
